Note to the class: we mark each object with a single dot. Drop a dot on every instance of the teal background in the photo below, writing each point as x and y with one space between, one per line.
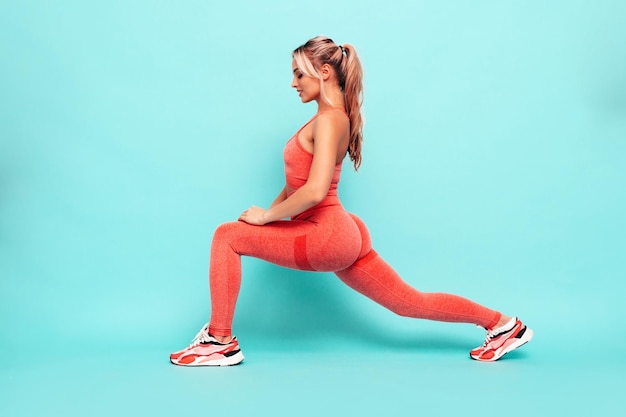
493 168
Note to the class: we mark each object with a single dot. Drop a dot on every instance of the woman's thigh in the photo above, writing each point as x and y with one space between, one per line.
327 241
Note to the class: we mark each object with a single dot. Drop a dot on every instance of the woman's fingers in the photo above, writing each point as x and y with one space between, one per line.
253 215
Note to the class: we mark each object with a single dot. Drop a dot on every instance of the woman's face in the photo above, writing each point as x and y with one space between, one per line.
308 88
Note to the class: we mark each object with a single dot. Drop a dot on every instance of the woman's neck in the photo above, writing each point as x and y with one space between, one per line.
336 99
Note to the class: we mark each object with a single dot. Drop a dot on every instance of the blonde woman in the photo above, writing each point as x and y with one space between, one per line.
307 228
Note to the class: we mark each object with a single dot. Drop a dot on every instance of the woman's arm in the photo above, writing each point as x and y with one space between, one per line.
327 131
281 197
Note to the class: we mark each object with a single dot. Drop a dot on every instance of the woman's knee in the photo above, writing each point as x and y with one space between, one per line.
227 231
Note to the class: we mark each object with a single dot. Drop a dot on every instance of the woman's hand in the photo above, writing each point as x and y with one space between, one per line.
254 215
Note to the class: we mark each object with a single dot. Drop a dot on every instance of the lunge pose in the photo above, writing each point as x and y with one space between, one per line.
307 228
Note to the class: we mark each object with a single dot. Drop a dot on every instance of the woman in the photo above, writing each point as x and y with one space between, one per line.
321 235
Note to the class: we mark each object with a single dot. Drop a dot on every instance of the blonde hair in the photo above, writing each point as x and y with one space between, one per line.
344 60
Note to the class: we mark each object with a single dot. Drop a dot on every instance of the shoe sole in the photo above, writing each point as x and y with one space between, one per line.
528 334
226 361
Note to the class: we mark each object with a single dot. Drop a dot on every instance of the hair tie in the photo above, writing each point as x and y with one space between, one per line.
343 51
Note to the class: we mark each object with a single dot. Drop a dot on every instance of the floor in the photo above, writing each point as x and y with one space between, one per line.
426 374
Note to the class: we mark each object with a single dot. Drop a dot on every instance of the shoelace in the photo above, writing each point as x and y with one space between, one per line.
203 336
490 335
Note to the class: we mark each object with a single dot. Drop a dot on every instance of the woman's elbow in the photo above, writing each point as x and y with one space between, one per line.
316 195
318 198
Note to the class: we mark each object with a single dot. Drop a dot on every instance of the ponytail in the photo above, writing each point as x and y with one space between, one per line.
353 96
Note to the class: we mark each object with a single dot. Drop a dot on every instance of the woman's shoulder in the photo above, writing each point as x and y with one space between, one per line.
336 117
334 112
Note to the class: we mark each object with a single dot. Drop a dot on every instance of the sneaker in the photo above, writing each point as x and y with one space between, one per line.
502 340
205 350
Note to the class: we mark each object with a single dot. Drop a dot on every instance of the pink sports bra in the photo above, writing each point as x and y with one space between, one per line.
298 164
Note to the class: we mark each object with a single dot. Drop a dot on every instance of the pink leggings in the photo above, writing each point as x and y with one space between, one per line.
332 240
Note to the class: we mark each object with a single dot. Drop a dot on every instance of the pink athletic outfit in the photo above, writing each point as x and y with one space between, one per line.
326 238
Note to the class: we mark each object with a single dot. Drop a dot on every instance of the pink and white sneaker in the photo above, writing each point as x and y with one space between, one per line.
502 340
205 350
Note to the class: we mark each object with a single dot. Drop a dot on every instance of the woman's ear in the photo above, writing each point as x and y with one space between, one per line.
325 71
